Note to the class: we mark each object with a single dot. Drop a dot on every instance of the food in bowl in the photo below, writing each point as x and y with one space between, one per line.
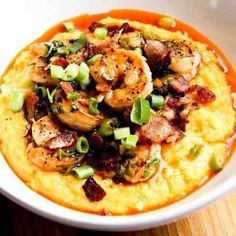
115 116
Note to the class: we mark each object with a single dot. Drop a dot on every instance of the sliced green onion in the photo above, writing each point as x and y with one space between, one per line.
121 133
78 43
140 113
57 72
83 76
148 35
71 72
157 101
82 145
16 101
100 33
166 22
138 51
93 106
93 59
83 172
42 90
195 150
73 96
69 26
61 154
51 95
130 141
124 42
63 51
217 162
107 126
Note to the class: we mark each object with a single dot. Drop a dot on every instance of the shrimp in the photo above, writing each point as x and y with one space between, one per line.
127 73
47 160
144 164
74 113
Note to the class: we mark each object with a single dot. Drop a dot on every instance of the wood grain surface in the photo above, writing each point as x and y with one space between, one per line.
218 219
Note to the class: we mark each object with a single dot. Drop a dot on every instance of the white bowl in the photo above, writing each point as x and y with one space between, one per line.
22 21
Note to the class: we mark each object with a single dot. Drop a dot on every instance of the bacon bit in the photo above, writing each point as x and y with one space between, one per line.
31 100
96 141
159 129
93 191
66 139
91 50
204 95
67 87
157 83
103 87
126 28
95 25
61 62
180 84
172 102
113 29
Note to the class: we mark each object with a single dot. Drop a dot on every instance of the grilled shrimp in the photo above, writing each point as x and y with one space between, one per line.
47 160
74 113
127 73
144 164
44 129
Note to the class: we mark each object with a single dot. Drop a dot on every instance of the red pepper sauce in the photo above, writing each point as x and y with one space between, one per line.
82 22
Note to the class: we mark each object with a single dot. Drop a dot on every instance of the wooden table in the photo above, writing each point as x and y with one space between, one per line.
217 219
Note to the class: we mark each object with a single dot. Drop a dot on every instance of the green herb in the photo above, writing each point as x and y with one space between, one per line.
217 162
107 126
42 90
71 72
61 154
72 96
83 172
83 76
63 51
100 33
93 59
69 26
52 48
57 72
130 141
82 145
140 113
120 133
195 150
138 51
148 35
51 95
157 101
16 101
78 43
93 106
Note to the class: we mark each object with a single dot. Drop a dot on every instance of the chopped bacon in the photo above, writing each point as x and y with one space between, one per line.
93 191
158 56
66 139
159 129
179 84
31 101
126 28
204 95
95 25
67 87
113 29
103 87
61 62
96 141
91 50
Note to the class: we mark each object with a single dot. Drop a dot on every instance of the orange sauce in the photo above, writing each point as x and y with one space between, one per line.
83 21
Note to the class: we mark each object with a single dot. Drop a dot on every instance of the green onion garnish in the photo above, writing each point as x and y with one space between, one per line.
140 113
71 72
83 76
83 172
69 26
93 106
121 133
42 90
100 33
57 72
61 154
130 141
73 96
217 162
93 59
51 95
148 35
107 126
78 43
16 101
138 51
82 145
63 51
195 150
157 101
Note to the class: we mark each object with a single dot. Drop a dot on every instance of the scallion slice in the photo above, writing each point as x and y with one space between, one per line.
57 72
93 59
83 76
140 113
78 43
69 26
157 101
51 95
93 106
138 51
120 133
82 145
148 35
73 96
71 72
107 126
130 141
16 101
100 33
195 150
42 90
63 51
217 162
83 172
